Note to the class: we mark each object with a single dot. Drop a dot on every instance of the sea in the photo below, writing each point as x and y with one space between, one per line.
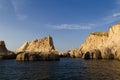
65 69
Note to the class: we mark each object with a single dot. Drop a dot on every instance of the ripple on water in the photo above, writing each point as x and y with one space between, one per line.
65 69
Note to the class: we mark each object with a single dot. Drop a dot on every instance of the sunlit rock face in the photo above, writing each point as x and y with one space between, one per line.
42 49
39 45
75 53
114 40
5 53
94 41
106 42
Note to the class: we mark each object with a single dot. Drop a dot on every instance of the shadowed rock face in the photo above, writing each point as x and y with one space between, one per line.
74 53
38 56
3 49
93 54
106 42
4 53
42 49
65 54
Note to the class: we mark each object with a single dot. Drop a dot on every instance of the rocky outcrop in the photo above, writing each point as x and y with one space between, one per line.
94 41
4 53
65 54
42 49
39 45
37 56
75 53
106 42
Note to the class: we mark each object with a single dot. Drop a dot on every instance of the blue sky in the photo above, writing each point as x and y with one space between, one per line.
69 22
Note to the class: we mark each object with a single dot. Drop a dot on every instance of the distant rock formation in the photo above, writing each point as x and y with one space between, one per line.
74 53
104 44
4 53
65 54
42 49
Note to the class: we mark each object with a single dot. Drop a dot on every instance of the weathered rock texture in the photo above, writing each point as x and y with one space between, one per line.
104 44
94 41
65 54
42 45
42 49
75 53
5 53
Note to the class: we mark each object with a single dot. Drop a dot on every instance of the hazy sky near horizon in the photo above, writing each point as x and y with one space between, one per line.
69 22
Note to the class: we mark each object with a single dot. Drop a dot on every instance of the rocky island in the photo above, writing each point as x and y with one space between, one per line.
39 49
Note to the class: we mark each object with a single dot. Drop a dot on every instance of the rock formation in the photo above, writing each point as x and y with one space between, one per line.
42 45
75 53
105 43
42 49
94 41
92 54
65 54
4 53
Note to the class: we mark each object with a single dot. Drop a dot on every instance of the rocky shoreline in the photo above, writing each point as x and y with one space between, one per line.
98 45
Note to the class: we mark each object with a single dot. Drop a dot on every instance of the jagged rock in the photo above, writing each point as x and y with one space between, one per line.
65 54
75 53
42 45
42 49
5 53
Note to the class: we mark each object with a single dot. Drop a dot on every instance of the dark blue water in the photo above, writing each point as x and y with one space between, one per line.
65 69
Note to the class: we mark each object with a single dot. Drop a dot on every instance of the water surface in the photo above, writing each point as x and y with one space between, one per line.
65 69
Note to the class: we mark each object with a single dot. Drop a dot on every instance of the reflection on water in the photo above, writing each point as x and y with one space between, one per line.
65 69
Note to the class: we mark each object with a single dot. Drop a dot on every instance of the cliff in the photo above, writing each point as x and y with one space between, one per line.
95 40
114 35
104 43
